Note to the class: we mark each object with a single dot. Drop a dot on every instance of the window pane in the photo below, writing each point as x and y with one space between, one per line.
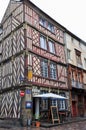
68 54
50 27
62 105
53 71
42 22
43 42
44 103
54 102
44 68
85 61
51 47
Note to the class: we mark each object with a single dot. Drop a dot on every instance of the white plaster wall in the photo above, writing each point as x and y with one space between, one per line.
75 44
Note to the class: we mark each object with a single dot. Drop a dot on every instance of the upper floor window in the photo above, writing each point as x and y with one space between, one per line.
42 22
46 24
51 46
73 75
85 61
43 43
68 54
1 29
78 57
44 68
53 74
48 69
50 27
72 39
79 77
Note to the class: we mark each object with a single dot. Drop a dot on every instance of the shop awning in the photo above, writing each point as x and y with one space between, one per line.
50 95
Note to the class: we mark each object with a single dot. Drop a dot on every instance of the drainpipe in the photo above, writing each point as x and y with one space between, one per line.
68 75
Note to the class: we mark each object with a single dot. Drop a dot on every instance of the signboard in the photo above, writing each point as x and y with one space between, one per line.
28 104
30 74
22 93
54 113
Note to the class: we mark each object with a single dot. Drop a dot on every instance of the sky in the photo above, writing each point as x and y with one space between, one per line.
69 13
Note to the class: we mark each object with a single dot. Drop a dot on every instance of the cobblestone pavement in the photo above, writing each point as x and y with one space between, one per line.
70 126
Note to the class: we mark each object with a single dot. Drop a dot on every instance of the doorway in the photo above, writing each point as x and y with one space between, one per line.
74 109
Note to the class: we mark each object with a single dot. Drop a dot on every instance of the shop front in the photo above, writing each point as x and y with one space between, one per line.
49 106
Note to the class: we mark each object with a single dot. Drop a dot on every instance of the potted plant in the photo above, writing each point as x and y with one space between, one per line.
38 121
33 121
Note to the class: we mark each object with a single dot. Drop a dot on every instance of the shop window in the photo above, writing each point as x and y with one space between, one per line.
44 103
44 68
51 46
54 102
43 43
62 105
53 74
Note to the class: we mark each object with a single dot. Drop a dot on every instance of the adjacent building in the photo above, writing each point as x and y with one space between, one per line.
76 64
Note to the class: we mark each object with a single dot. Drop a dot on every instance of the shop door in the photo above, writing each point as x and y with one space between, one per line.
74 111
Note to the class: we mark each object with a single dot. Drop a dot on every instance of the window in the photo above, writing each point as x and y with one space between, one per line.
43 43
79 77
1 29
68 54
78 57
73 74
51 47
72 40
42 22
50 27
44 68
54 102
62 105
85 61
53 71
44 103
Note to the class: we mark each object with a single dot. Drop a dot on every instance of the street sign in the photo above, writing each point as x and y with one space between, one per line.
22 93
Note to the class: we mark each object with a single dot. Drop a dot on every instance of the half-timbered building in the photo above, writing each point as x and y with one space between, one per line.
32 60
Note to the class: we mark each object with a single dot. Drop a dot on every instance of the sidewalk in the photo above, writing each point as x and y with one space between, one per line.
73 124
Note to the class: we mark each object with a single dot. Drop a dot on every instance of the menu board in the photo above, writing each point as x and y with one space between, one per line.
54 113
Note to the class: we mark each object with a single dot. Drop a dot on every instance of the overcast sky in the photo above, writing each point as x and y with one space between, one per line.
69 13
